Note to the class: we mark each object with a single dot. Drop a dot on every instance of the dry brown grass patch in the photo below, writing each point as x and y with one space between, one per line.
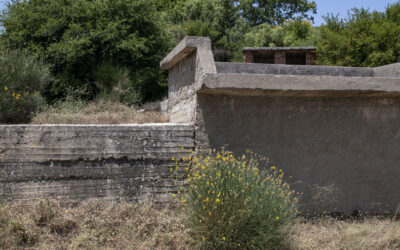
100 112
328 233
95 224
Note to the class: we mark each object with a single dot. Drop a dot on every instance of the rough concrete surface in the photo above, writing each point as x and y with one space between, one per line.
335 131
274 69
350 143
75 162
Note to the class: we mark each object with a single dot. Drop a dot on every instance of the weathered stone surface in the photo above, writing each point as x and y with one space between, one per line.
307 85
335 131
272 69
391 70
75 162
349 144
188 63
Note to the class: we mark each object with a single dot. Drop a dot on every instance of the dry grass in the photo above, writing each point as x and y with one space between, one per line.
328 233
100 112
95 224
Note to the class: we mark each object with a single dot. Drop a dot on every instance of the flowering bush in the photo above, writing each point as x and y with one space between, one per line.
21 78
232 204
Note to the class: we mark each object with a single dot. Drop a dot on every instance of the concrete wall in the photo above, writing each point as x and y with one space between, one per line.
257 68
342 153
72 163
391 70
334 130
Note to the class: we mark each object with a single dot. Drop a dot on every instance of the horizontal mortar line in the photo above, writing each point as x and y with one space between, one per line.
91 151
99 149
94 130
115 178
100 138
74 134
64 189
107 166
167 145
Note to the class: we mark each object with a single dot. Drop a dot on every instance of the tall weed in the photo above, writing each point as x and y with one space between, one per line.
232 203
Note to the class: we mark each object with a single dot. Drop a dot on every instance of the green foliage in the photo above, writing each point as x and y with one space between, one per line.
365 38
21 78
231 204
227 22
257 12
77 36
115 84
294 33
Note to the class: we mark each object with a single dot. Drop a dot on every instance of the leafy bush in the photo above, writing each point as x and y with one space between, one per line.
231 204
115 84
363 39
21 78
76 36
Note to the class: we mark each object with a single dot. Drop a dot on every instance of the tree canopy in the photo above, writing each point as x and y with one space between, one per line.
78 37
364 38
112 48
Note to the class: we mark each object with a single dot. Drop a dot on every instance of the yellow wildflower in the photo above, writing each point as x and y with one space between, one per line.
5 88
277 218
203 238
217 200
273 168
223 238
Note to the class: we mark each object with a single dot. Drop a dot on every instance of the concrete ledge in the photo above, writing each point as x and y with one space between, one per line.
279 69
184 48
391 70
308 85
307 48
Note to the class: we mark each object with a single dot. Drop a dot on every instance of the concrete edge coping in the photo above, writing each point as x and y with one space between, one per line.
129 125
184 48
307 48
310 83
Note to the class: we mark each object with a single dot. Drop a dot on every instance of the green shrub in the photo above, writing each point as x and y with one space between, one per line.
21 78
115 84
75 36
231 204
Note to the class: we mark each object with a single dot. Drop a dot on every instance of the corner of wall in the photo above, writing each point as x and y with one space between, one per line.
187 65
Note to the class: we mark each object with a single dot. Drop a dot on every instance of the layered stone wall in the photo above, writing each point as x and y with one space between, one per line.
76 162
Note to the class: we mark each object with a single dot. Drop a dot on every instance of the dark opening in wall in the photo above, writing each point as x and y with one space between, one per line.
265 57
296 58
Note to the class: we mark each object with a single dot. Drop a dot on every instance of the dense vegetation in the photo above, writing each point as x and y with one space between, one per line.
111 49
21 79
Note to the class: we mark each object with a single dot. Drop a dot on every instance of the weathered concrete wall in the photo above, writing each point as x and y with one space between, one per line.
187 64
335 130
391 70
257 68
75 162
342 153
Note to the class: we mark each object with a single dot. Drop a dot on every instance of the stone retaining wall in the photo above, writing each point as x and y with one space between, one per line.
76 162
